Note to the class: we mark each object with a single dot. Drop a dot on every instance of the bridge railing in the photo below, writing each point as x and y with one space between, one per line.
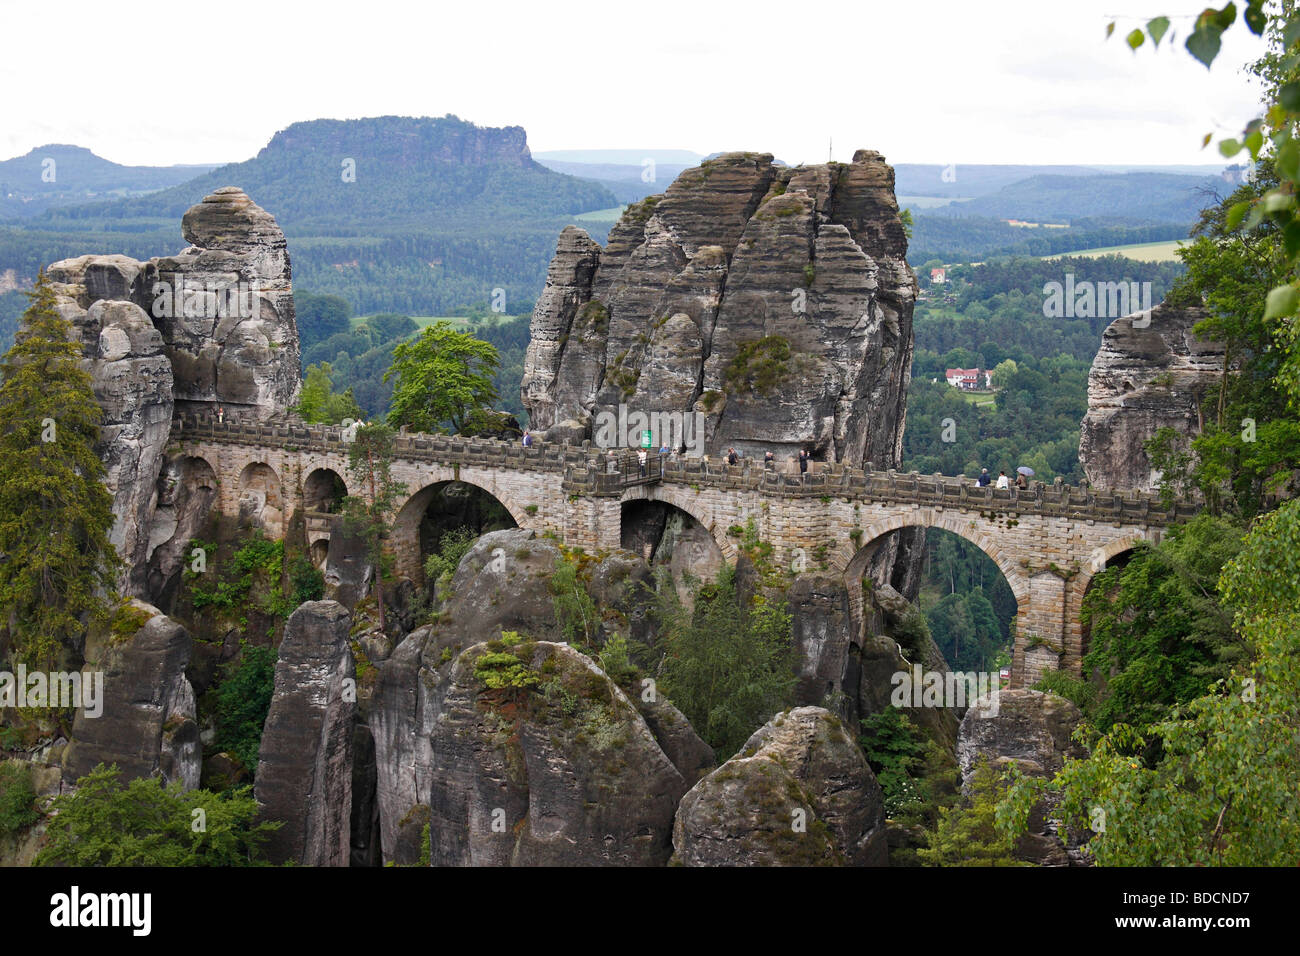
587 470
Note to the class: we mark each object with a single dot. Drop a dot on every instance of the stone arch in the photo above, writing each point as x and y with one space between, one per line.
320 552
404 539
261 499
855 557
323 490
1100 558
188 490
1103 555
687 501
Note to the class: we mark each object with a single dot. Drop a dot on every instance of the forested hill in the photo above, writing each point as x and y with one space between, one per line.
414 215
380 173
60 175
1130 197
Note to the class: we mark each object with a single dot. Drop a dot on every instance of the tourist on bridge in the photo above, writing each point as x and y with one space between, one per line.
732 457
769 459
803 461
1002 480
641 461
983 479
1021 481
528 438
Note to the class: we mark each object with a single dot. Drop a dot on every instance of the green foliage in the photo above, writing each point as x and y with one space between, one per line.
1079 692
1034 419
967 630
256 568
759 367
440 566
968 834
143 823
1159 636
1221 789
319 316
243 701
306 581
443 378
575 611
59 567
616 660
502 670
729 665
896 751
366 515
17 797
318 404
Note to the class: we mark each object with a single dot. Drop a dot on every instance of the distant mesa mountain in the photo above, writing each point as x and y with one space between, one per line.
963 181
386 172
418 215
1134 197
61 175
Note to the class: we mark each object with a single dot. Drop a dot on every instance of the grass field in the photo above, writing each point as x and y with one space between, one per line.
459 321
927 202
601 215
1141 252
979 398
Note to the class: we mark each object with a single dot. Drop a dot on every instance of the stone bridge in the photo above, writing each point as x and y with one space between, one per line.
1048 541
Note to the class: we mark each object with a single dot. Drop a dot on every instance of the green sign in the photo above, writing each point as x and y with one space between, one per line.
645 438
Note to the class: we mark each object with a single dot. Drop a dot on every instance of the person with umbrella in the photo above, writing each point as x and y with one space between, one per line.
1022 476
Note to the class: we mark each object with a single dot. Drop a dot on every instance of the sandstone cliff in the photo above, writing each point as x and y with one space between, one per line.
210 327
775 301
1151 372
800 793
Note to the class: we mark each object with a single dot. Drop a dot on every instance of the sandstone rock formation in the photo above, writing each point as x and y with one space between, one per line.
799 793
774 300
211 326
563 771
147 725
132 381
1032 730
502 584
223 306
304 771
1151 372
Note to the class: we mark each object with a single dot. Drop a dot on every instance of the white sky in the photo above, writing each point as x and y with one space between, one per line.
953 81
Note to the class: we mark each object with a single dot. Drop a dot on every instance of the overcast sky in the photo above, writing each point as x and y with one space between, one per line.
934 82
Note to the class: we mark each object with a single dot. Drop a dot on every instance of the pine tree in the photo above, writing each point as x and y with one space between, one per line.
370 461
57 565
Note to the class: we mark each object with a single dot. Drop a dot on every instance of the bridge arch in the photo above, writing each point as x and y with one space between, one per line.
323 490
405 539
1100 559
854 558
686 500
261 498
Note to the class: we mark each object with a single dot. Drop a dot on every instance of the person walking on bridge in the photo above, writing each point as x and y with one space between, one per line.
1002 480
983 479
803 462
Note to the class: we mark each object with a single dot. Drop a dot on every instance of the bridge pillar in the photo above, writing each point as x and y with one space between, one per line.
594 524
1047 630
